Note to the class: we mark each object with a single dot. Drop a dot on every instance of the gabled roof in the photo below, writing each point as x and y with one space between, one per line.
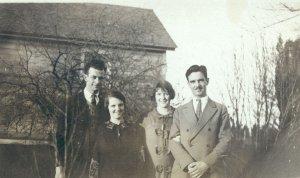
101 23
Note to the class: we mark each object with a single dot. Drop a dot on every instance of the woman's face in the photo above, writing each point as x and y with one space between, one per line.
116 108
162 98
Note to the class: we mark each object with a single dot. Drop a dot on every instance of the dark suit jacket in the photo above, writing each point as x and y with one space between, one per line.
83 124
204 140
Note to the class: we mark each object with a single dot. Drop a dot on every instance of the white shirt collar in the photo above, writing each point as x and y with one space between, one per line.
88 96
204 101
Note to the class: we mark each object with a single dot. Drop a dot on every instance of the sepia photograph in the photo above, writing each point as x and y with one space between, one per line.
150 89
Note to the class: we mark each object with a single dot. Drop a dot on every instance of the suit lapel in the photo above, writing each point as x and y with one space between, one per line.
190 113
207 115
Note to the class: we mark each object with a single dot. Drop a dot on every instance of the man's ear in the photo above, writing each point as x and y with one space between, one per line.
85 77
207 80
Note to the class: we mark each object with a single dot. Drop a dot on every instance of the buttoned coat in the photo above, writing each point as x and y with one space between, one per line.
201 139
157 128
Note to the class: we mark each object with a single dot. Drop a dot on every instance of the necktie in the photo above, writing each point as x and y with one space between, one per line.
93 102
199 109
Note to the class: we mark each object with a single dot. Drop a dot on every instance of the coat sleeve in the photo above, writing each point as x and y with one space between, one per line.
60 132
177 149
60 141
224 137
145 163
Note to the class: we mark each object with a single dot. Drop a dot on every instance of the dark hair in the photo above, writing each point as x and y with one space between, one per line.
196 68
164 85
94 60
115 94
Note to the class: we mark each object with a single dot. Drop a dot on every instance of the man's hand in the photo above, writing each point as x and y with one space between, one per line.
197 169
59 172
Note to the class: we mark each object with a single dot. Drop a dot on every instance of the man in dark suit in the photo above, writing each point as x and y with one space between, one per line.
200 132
85 115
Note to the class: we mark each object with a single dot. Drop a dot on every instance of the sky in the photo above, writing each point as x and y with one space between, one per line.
210 32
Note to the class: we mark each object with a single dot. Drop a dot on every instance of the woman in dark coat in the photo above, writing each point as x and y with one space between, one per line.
157 127
119 151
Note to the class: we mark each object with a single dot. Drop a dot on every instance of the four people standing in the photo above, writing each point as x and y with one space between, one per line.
105 144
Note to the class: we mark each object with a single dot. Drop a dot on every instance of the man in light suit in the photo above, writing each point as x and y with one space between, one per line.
200 132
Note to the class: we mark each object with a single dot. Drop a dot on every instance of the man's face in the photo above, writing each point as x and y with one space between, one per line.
197 83
93 79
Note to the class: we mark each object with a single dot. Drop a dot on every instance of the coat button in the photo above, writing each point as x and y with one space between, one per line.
159 168
187 130
209 129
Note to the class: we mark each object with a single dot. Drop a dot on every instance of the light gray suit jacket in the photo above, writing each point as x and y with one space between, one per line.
204 139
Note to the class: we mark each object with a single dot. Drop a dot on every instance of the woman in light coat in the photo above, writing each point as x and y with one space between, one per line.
157 127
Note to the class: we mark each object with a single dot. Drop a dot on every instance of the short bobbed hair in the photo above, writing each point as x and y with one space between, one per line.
166 86
114 94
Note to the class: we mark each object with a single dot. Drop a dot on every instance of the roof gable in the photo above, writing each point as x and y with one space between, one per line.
106 24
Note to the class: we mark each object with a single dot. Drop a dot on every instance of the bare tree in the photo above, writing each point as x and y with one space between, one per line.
265 112
40 84
237 94
294 13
